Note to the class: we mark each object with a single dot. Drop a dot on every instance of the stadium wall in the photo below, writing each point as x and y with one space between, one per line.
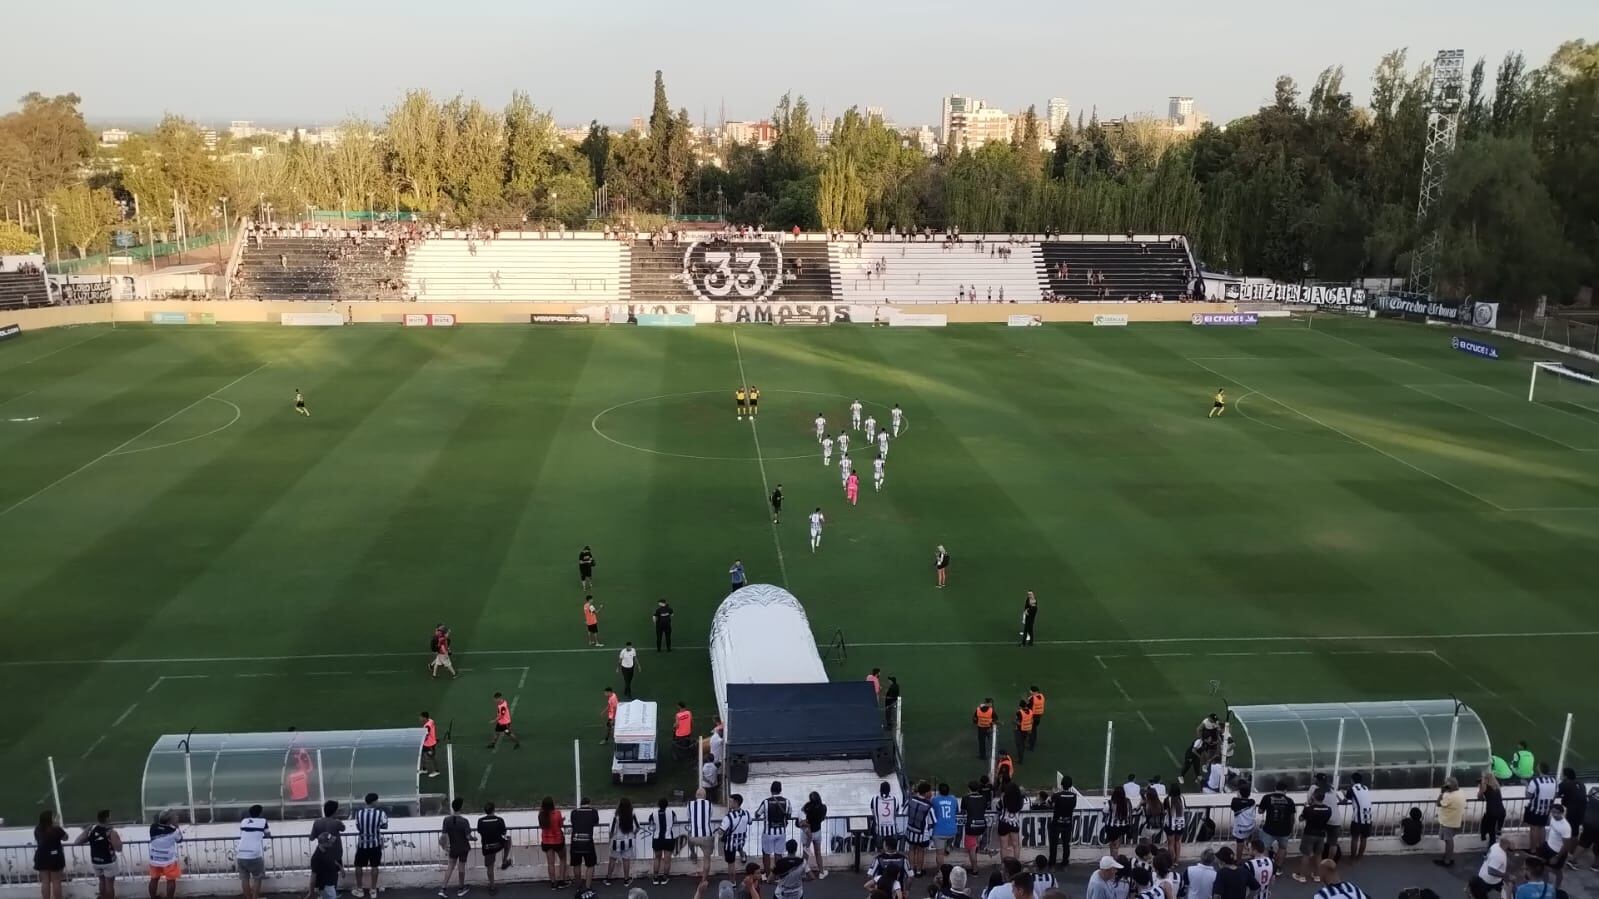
134 311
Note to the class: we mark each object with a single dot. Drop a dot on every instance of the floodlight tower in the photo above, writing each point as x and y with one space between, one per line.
1443 123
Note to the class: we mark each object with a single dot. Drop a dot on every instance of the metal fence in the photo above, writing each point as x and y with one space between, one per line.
1564 330
845 841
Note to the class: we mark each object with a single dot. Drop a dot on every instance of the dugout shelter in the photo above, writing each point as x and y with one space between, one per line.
1404 744
217 777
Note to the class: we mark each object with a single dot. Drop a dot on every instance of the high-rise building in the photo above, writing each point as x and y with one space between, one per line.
239 129
1182 116
1059 113
953 118
969 122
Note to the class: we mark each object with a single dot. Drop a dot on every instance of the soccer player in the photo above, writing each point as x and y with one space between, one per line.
755 401
871 428
741 398
441 652
845 465
843 442
827 450
821 427
897 415
299 403
882 442
855 415
591 620
1219 406
502 723
777 504
852 488
585 568
877 473
817 520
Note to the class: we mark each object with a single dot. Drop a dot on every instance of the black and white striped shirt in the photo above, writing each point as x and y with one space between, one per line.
699 818
885 815
735 828
370 822
1262 871
1360 795
775 812
664 824
918 817
1043 880
1341 891
1541 792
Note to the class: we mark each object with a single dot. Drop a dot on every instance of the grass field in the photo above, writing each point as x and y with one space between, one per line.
1377 516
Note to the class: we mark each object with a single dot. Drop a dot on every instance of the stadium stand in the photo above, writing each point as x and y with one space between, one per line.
513 268
1130 268
300 268
18 289
936 273
659 273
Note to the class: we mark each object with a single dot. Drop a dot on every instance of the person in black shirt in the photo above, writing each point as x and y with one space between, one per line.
455 833
1062 810
974 812
491 835
1316 815
1029 617
583 820
888 871
890 701
1277 821
663 624
325 866
777 504
1574 796
585 568
1232 881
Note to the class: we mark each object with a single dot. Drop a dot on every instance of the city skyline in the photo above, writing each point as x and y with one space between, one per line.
305 66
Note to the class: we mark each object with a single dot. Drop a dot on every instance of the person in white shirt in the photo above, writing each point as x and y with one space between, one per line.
870 426
1490 877
843 442
877 473
821 427
1202 876
1216 776
855 415
817 520
845 463
718 744
253 834
882 442
827 451
1556 842
898 418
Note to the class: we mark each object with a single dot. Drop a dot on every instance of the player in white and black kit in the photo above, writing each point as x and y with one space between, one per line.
882 442
821 427
817 520
775 812
870 426
827 450
735 828
845 463
877 473
843 442
897 416
855 415
299 403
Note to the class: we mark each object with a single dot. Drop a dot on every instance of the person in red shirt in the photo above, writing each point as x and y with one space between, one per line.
430 745
610 715
441 652
591 620
502 723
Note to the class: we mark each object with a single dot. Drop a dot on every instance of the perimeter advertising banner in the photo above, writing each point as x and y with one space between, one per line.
1225 318
1407 305
1024 321
169 318
1116 320
436 320
1308 294
312 319
8 331
557 318
1474 347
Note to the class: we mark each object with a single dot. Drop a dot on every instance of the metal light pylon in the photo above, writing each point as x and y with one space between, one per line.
1443 124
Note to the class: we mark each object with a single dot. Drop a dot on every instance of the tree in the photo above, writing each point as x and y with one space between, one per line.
16 240
596 147
83 216
413 151
530 136
42 146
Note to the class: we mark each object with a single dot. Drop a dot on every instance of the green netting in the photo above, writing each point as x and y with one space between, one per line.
141 253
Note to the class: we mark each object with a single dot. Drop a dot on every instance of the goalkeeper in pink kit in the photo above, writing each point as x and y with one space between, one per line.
852 487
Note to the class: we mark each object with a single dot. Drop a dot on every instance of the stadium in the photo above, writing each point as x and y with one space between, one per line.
1352 518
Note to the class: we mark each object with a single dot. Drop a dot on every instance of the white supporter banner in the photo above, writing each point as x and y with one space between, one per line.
1111 321
1024 321
918 320
442 320
312 319
1485 315
1314 295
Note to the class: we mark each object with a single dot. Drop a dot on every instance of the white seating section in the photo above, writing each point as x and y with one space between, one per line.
506 269
929 273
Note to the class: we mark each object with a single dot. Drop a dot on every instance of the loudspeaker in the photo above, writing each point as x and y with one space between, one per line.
738 768
883 760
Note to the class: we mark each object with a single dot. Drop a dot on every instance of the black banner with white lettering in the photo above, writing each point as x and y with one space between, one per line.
1308 294
9 331
1415 306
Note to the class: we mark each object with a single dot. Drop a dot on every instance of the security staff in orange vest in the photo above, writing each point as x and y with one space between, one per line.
1024 728
683 729
983 719
1036 698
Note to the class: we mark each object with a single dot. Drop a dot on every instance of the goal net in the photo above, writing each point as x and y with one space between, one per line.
1555 383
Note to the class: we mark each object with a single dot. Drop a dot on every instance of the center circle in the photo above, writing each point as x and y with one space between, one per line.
694 424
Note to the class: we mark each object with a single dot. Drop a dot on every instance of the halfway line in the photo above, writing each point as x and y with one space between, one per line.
766 488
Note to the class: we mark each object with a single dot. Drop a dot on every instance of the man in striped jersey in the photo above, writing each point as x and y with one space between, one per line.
1541 792
1261 868
1334 887
735 830
1360 816
701 831
370 822
885 814
775 812
919 825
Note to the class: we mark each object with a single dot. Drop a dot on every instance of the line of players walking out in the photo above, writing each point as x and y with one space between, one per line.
849 478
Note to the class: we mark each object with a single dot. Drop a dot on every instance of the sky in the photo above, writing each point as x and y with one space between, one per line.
321 61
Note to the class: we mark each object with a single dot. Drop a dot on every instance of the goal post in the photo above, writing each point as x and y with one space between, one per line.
1556 382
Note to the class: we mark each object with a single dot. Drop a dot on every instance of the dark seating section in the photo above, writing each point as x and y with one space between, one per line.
298 268
1130 269
19 289
658 274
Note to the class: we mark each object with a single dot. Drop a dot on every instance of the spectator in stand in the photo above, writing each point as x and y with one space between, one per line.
1535 882
162 853
1232 880
1490 877
1201 876
491 834
1556 845
552 839
1313 839
1493 807
455 836
1063 811
1359 796
1118 814
104 845
1244 814
974 811
326 865
584 855
1101 884
1541 791
1333 886
1008 825
1590 829
1451 817
1176 820
624 830
812 818
1277 821
248 853
1574 796
49 855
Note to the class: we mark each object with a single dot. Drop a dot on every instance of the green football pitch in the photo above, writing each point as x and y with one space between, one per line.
1377 516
